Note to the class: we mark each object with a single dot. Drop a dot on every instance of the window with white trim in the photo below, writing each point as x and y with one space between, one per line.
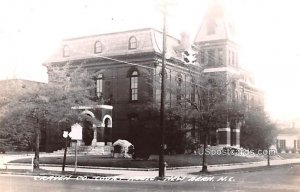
98 47
134 86
99 85
132 43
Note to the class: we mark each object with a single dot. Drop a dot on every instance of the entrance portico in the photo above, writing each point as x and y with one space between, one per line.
102 126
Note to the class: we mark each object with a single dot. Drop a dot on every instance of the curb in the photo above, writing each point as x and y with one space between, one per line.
138 169
92 175
86 167
152 169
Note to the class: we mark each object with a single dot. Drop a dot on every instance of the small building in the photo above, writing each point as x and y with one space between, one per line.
288 140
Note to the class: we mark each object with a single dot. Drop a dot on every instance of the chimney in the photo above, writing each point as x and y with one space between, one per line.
184 42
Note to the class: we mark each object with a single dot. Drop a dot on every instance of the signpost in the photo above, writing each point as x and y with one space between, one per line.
65 135
75 134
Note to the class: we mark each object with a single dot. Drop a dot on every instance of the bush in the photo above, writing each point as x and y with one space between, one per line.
141 155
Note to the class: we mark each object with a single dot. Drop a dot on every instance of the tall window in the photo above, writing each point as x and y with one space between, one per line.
211 57
202 56
99 85
132 43
232 58
134 86
229 57
98 47
193 90
66 51
220 56
179 84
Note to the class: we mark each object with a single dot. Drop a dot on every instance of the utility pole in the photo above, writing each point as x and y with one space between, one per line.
162 101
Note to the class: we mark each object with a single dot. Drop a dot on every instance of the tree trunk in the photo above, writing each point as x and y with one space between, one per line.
204 163
36 163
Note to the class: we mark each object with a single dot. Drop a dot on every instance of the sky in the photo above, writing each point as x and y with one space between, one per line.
269 39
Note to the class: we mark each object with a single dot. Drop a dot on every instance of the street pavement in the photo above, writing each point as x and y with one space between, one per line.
277 178
129 172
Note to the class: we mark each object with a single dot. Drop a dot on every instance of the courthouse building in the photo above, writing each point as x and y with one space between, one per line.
127 66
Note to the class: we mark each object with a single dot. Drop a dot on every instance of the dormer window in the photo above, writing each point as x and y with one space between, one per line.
132 43
66 51
98 47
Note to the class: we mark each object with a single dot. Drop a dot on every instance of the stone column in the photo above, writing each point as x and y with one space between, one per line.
108 135
236 137
94 141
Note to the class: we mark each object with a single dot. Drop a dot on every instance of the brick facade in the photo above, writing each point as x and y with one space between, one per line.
139 51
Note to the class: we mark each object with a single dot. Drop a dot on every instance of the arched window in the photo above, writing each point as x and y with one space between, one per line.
134 86
132 43
66 51
99 86
98 47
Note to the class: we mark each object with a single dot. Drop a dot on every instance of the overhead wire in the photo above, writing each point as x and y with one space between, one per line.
186 68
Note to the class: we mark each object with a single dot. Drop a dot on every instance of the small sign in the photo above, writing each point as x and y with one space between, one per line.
65 134
76 132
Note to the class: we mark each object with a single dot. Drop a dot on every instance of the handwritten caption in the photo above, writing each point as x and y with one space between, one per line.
116 178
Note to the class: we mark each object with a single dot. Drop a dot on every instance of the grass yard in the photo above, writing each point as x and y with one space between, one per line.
172 161
289 155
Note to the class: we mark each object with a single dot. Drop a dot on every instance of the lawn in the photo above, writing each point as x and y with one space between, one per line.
172 161
289 155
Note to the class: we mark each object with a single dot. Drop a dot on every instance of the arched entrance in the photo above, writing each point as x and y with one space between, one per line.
97 130
88 131
107 130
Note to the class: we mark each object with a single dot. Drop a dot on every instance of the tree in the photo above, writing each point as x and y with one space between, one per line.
206 100
50 104
258 132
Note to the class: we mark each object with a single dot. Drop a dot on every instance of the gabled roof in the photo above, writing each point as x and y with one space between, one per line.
216 25
114 44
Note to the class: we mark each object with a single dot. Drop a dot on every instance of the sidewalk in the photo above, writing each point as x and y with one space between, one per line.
131 172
